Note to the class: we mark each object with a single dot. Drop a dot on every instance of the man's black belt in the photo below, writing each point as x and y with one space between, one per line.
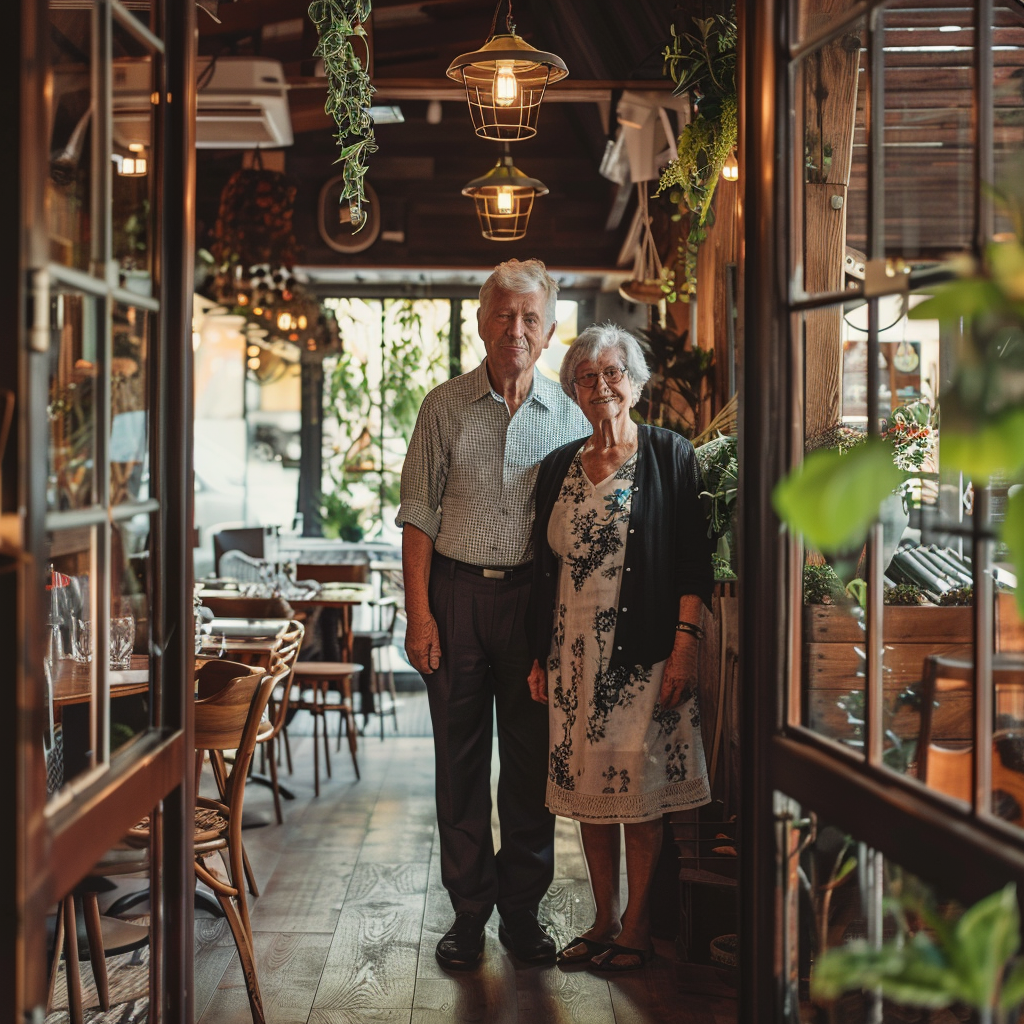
488 572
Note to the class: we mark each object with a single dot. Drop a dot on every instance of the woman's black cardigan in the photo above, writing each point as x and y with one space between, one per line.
668 552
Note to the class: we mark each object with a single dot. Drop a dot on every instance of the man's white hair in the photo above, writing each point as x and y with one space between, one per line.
523 277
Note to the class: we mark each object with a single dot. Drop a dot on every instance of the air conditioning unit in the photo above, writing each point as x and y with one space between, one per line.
242 103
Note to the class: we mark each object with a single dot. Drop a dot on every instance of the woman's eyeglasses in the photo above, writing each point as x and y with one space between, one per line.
613 374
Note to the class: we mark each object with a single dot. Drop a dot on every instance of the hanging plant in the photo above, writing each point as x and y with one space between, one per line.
349 92
705 66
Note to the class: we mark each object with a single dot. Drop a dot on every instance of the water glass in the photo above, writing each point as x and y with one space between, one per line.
122 640
81 641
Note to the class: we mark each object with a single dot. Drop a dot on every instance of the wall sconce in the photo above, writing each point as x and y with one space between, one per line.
731 167
504 200
505 82
135 165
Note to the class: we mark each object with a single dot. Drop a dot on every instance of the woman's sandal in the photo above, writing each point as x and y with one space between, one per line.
609 960
567 957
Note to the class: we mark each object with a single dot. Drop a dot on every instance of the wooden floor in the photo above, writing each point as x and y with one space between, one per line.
351 907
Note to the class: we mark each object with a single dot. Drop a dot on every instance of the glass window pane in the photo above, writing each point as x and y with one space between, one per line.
69 184
830 90
75 349
129 400
929 130
132 155
130 701
69 670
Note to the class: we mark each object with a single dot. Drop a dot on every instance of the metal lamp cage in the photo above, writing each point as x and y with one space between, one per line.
505 81
504 200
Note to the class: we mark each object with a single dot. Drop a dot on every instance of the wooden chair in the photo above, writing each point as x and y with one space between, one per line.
272 727
950 770
341 572
248 539
228 607
231 701
317 681
377 641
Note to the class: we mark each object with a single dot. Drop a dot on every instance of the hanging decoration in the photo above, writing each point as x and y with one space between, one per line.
505 81
349 92
504 200
705 66
645 286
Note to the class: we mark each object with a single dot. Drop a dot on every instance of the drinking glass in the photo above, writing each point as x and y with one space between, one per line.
81 641
122 639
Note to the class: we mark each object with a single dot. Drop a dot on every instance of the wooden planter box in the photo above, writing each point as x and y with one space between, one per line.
833 656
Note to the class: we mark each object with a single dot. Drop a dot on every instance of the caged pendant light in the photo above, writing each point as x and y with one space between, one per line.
505 82
504 200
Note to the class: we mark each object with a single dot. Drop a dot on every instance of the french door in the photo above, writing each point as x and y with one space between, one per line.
95 550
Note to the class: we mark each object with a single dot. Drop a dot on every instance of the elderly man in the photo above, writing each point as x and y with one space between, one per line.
466 513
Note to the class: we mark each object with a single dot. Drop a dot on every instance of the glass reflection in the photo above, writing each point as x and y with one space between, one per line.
129 428
69 668
71 411
69 184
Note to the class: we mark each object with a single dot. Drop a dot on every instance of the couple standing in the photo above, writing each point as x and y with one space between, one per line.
554 554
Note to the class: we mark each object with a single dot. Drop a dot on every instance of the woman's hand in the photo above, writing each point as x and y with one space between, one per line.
680 677
538 680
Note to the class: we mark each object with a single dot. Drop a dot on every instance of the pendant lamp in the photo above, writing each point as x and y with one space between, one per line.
504 200
505 82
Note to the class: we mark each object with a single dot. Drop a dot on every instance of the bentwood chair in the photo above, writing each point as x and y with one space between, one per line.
231 701
374 645
950 769
272 726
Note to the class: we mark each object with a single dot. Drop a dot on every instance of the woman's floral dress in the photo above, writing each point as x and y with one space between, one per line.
616 756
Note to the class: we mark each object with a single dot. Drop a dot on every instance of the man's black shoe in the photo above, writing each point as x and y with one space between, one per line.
523 936
462 946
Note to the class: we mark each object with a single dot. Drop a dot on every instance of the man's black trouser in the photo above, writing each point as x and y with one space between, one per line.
484 665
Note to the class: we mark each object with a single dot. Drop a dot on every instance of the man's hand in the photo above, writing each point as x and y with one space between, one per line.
422 644
680 678
538 680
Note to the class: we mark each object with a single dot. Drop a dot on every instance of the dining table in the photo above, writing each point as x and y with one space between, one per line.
335 603
72 682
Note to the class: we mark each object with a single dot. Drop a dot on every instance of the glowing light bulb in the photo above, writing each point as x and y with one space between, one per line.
506 88
253 350
284 321
731 168
128 165
254 363
302 323
505 205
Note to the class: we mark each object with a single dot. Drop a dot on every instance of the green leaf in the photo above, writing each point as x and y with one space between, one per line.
984 939
1007 262
833 498
1013 986
1013 538
966 298
996 446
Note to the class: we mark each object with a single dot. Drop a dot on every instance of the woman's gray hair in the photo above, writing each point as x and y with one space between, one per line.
523 277
599 338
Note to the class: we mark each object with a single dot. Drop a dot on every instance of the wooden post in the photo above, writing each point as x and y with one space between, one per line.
830 108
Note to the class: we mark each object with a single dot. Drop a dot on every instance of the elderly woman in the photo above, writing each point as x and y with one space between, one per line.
622 563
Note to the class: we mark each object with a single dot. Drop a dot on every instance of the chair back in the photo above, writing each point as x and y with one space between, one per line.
248 539
344 572
284 668
225 697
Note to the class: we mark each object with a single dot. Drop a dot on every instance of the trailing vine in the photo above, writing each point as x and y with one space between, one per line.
705 66
349 92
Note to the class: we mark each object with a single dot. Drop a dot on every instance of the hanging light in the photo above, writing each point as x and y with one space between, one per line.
504 200
135 165
731 167
505 82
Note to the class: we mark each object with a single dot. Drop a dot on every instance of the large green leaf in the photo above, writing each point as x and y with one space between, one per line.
986 936
995 446
1013 987
1013 538
963 298
833 498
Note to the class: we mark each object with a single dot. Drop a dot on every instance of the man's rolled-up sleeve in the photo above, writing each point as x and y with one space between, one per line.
425 471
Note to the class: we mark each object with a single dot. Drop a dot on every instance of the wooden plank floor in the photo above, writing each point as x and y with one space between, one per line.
351 907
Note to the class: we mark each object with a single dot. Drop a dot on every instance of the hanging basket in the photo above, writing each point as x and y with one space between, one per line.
645 285
254 221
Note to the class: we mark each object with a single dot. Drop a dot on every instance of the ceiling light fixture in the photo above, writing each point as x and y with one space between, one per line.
505 82
504 200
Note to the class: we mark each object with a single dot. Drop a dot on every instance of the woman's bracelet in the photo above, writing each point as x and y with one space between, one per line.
690 627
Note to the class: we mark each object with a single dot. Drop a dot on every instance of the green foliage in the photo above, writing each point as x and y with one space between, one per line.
832 498
822 585
897 752
967 961
958 596
672 395
903 594
719 469
349 92
703 64
1013 538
